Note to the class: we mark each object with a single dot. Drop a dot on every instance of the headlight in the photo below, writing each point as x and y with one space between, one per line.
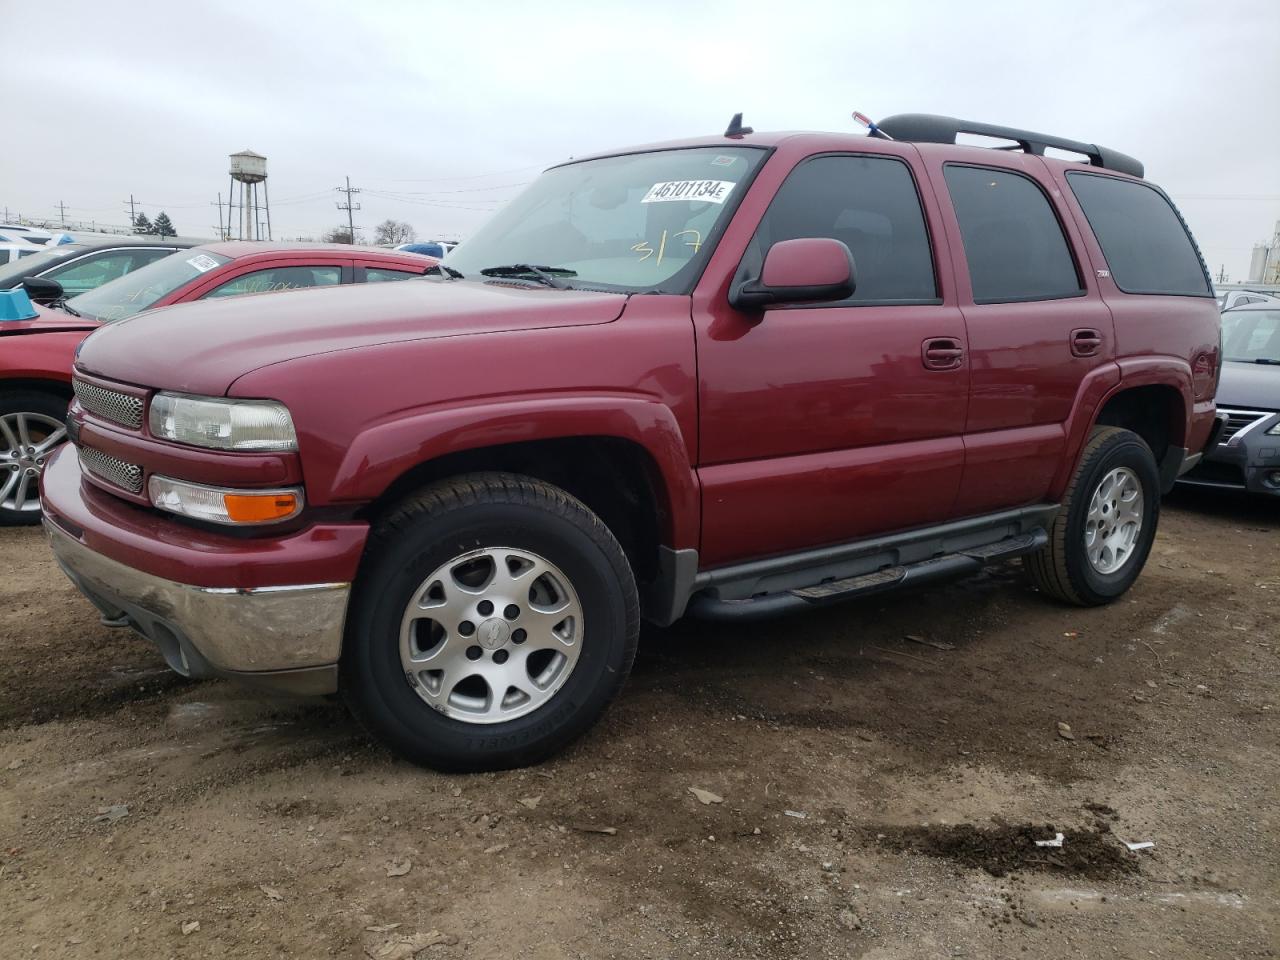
222 505
223 424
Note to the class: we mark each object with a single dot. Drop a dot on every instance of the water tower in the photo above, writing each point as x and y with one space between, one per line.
249 169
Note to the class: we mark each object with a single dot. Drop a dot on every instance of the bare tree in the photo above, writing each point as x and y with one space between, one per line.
342 234
391 232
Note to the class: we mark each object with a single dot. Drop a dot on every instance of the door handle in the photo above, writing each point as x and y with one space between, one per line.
941 353
1085 342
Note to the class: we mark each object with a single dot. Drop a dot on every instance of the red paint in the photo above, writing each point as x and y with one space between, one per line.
806 262
764 432
43 349
156 544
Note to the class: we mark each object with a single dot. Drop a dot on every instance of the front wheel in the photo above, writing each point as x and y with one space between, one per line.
1101 537
493 621
31 428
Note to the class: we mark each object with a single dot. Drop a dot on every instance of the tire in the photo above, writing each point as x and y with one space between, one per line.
42 416
479 520
1063 568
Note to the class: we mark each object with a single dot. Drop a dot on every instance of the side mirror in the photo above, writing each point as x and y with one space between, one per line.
804 270
42 290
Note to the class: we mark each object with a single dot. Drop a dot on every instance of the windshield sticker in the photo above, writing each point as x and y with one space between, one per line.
723 161
202 262
706 191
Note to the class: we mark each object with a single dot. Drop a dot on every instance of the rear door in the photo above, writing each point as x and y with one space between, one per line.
824 423
1037 326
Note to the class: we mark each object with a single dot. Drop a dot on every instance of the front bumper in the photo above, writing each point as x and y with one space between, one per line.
288 638
253 615
1247 460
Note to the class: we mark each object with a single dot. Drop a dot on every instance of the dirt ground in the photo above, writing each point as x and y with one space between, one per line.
881 796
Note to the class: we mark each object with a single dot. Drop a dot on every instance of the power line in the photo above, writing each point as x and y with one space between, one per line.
478 176
440 193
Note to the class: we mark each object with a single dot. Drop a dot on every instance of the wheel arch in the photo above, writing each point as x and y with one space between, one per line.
1152 396
58 388
616 478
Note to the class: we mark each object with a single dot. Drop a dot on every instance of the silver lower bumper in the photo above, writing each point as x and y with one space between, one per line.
288 638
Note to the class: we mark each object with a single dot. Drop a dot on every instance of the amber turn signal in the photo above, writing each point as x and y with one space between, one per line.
221 505
260 508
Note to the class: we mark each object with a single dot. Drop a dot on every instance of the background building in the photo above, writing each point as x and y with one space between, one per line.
1264 266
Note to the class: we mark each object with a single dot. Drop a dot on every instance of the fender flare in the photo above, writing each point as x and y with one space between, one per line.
384 452
1105 382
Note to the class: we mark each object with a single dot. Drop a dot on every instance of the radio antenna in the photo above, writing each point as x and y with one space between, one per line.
872 129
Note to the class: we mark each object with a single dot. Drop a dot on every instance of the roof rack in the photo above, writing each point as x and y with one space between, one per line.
927 128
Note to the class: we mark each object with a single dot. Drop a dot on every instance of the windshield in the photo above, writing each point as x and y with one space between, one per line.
641 222
134 292
28 266
1251 335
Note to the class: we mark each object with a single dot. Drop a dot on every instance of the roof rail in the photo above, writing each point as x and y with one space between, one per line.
927 128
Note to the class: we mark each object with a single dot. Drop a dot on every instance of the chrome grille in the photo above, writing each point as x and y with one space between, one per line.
1239 421
126 476
109 404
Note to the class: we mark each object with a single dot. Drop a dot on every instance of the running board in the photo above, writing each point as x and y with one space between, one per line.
949 566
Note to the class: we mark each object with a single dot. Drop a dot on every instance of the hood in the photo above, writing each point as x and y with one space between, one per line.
1249 386
48 320
203 347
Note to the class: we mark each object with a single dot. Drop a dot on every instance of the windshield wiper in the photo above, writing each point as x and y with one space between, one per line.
449 272
67 307
545 275
1269 361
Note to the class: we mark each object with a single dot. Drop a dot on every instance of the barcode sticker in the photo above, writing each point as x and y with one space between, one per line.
704 191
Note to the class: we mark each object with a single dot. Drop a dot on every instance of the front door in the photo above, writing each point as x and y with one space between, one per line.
825 423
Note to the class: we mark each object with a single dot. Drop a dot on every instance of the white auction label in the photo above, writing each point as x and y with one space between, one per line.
705 191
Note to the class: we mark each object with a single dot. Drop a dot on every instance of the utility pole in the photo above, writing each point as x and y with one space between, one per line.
349 207
221 233
133 216
1222 273
62 213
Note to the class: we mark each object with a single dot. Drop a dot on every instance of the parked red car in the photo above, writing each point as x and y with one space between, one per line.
35 360
732 377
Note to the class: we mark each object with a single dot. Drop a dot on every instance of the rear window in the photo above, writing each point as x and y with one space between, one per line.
1147 246
1012 239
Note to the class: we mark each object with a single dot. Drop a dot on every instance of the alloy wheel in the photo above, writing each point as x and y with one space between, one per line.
491 635
26 441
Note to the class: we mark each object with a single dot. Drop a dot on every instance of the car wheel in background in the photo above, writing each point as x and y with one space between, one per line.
31 427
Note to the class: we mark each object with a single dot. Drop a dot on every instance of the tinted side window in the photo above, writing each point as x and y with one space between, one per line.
1012 239
1147 247
380 274
278 278
871 204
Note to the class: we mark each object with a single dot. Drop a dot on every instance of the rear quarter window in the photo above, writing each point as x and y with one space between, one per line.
1147 246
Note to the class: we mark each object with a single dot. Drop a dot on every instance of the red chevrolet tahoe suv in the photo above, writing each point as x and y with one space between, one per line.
731 377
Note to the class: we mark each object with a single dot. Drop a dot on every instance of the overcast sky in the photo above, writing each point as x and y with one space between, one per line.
439 112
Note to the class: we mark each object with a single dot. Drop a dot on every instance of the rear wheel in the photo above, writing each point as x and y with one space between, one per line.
493 622
1101 537
31 427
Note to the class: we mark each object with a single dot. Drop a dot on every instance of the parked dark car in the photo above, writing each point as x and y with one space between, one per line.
1247 454
87 264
